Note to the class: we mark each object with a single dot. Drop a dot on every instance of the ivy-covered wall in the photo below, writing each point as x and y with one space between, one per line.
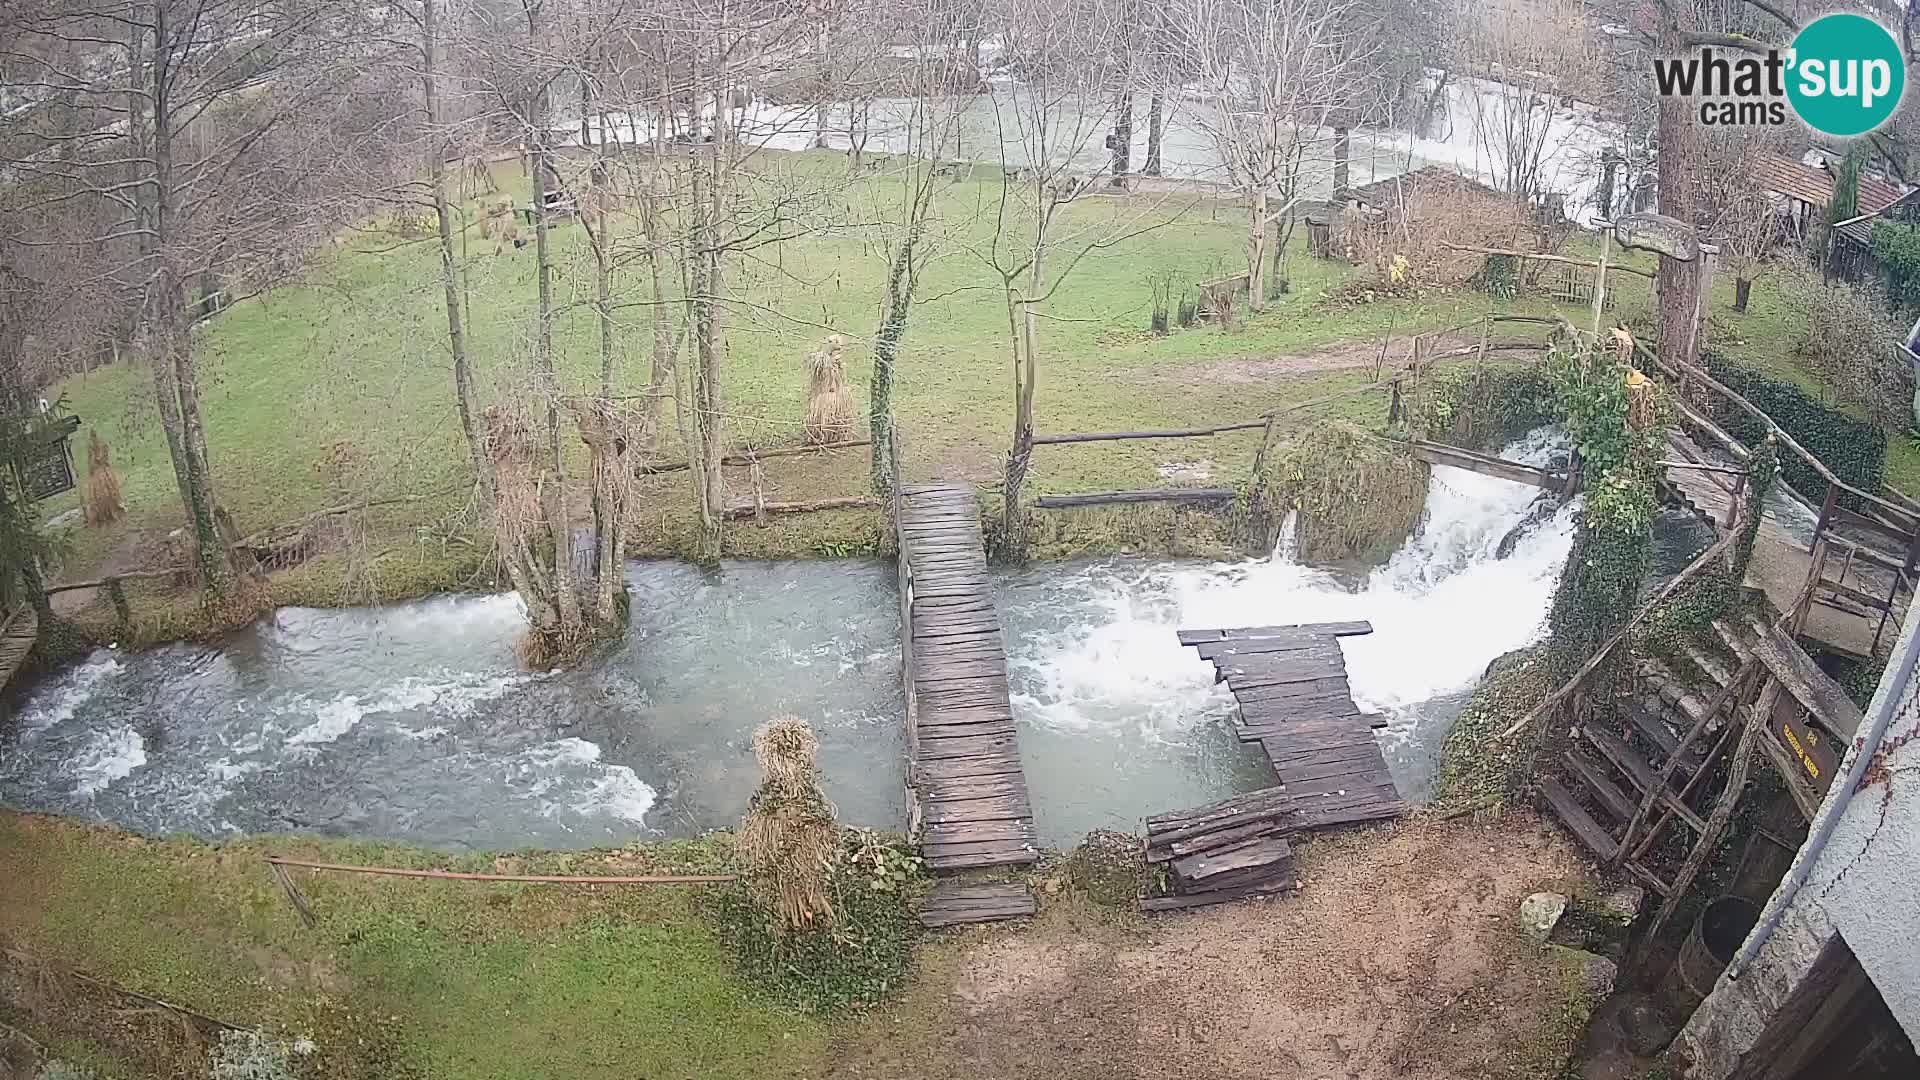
1484 406
1854 449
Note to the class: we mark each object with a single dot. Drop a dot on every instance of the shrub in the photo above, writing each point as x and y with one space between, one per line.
1897 248
1484 406
860 958
1848 340
1854 449
1358 495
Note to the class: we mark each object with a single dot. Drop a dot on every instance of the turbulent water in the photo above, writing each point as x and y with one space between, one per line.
1107 696
413 721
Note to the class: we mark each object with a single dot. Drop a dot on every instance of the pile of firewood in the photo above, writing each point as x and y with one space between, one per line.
1230 850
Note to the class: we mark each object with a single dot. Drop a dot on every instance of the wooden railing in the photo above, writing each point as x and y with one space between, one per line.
1889 516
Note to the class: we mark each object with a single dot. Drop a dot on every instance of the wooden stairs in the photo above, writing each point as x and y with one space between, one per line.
1627 781
17 635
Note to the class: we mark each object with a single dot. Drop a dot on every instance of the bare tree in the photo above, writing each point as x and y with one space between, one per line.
912 229
1532 65
1069 64
216 133
1283 75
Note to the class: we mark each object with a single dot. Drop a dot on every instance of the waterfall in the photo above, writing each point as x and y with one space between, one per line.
1443 606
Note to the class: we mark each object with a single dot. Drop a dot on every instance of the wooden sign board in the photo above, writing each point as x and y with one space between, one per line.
1805 744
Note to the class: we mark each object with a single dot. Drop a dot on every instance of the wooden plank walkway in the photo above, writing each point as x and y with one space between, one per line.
964 758
1291 683
1781 563
956 903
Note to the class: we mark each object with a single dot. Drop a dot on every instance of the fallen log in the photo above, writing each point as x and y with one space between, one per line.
1109 498
750 510
131 575
1115 436
748 457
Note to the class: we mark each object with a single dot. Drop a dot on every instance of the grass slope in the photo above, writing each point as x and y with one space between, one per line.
356 354
401 977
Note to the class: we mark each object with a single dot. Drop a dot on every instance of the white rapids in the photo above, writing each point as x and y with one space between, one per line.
1472 583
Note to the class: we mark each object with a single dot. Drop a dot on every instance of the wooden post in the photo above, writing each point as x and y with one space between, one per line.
122 611
1266 442
294 895
759 478
1733 504
1826 510
1716 824
1815 569
1600 280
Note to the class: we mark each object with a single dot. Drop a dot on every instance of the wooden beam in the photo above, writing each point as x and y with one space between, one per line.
748 457
1830 705
1441 454
1116 436
850 502
1540 257
1110 498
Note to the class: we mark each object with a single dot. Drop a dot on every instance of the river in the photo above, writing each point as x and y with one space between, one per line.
412 722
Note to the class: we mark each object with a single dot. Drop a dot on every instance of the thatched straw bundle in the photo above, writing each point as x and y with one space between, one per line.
829 402
101 499
790 835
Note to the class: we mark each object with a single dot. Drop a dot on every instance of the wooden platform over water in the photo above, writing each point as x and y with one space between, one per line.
1782 563
964 761
1291 683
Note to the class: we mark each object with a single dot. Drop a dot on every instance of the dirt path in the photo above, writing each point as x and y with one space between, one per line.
1400 958
1343 356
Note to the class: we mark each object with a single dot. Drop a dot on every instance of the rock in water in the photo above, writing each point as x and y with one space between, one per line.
1540 913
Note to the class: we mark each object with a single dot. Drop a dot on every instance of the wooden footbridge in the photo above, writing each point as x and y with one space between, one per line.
1295 702
970 793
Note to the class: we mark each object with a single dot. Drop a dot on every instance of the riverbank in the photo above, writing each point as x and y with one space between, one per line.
1400 956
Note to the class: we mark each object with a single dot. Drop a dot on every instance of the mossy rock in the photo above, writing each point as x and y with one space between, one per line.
1108 867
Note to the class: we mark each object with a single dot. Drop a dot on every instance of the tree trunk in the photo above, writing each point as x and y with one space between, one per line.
163 308
1123 139
1742 289
886 352
708 429
1026 341
449 274
1677 283
552 471
1342 150
1257 250
1155 123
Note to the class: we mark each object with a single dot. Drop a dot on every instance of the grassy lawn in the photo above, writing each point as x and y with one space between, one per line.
400 977
355 356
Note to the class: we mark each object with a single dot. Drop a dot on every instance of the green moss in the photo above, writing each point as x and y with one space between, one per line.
1477 769
1357 494
858 958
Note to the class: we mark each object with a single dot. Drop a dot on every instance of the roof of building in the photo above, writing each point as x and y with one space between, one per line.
1859 229
1813 184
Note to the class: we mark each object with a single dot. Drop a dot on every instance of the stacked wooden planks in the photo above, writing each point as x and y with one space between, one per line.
1291 683
956 903
1229 850
965 760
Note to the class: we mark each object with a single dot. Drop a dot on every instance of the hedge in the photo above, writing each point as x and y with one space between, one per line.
1854 449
